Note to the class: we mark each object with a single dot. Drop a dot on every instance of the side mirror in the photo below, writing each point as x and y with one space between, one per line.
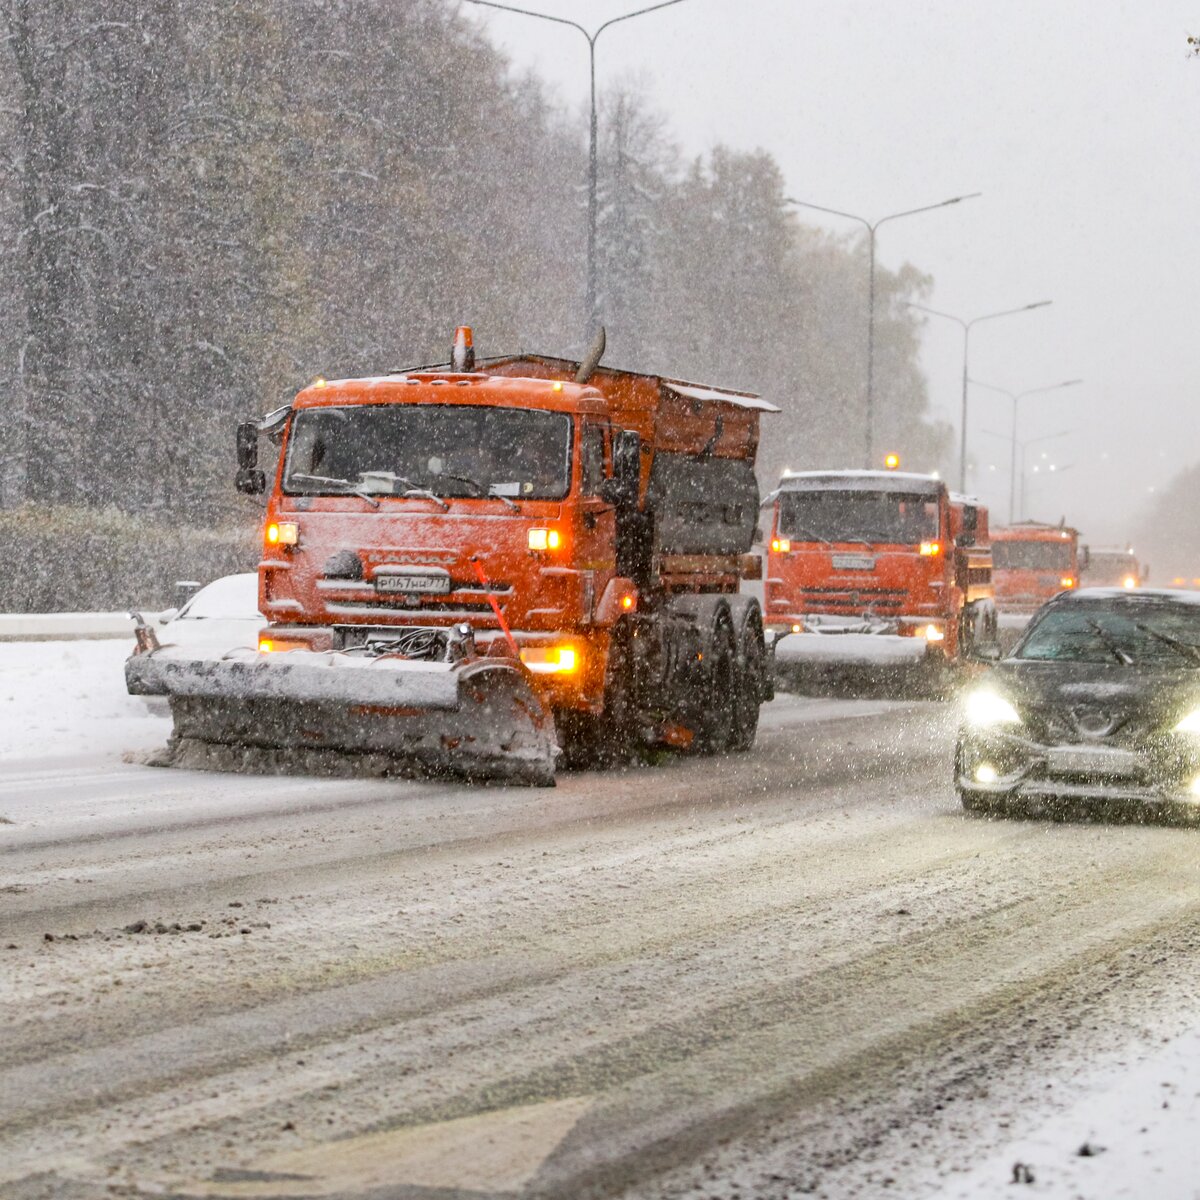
623 488
987 653
250 481
759 536
1085 557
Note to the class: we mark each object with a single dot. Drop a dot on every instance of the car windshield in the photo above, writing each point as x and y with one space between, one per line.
444 449
843 516
1164 634
1032 556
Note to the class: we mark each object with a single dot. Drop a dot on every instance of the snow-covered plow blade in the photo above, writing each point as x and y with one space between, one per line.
476 718
803 661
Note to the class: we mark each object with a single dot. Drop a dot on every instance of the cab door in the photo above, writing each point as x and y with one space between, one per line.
596 533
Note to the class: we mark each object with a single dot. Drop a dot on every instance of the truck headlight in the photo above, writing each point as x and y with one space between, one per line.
544 539
984 708
1190 723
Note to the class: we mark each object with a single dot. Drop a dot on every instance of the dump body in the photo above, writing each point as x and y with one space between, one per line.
593 535
1033 562
893 564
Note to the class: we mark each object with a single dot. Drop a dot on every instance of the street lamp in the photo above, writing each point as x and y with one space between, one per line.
966 328
1016 398
1049 437
593 314
871 228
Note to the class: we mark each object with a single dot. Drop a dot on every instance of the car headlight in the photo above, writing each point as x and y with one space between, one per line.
984 708
1190 723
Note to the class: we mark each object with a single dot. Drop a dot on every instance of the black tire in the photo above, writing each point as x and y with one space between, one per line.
597 740
751 681
717 722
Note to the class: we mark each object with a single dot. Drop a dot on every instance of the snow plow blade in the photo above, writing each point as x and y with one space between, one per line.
475 719
852 661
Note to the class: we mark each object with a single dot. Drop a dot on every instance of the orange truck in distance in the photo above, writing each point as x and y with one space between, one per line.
1033 562
472 565
885 571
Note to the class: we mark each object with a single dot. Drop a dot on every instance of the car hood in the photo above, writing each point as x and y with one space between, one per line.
1094 699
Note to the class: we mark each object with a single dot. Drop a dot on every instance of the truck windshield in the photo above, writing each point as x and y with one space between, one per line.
835 516
1110 568
1031 556
447 449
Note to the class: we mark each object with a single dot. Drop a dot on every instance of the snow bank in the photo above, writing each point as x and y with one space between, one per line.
68 698
1139 1127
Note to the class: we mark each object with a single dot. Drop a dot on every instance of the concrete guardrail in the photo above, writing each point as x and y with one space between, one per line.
64 627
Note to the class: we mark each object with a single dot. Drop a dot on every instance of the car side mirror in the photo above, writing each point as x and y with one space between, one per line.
623 488
250 481
987 653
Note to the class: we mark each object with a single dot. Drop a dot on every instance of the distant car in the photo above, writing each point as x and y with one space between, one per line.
222 615
1098 704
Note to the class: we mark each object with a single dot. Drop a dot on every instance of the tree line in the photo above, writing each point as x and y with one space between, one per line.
204 204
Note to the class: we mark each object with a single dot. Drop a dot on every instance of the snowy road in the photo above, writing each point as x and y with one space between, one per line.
799 971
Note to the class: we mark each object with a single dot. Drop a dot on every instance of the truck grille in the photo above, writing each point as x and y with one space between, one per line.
854 600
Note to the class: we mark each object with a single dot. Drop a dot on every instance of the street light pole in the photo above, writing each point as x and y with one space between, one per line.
872 228
966 328
1016 398
1049 437
592 301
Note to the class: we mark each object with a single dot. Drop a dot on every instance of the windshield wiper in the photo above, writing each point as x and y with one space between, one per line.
1120 655
1184 648
480 490
812 534
347 485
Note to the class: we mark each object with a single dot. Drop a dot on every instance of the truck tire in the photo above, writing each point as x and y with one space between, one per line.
708 699
718 725
752 687
592 740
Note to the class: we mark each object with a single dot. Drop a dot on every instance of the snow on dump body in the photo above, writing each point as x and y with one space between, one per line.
692 391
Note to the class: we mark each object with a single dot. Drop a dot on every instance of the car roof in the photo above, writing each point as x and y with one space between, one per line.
1177 595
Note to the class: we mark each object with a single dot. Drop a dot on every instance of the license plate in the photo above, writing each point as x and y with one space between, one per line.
414 582
853 562
1092 760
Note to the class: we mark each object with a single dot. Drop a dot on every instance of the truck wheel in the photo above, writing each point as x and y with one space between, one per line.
751 685
605 739
718 722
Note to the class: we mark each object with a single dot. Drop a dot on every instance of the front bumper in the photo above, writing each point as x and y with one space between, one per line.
1009 767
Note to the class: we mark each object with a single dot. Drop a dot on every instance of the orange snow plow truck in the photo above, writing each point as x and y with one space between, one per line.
468 567
879 573
1033 563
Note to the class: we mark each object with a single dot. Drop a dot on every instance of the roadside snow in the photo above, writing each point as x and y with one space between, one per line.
1138 1125
68 698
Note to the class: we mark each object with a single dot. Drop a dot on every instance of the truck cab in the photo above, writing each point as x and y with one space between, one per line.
1111 566
882 553
1033 562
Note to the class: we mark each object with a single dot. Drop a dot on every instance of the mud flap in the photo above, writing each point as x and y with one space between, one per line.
476 719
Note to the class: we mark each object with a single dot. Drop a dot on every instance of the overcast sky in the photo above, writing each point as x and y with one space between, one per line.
1076 119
